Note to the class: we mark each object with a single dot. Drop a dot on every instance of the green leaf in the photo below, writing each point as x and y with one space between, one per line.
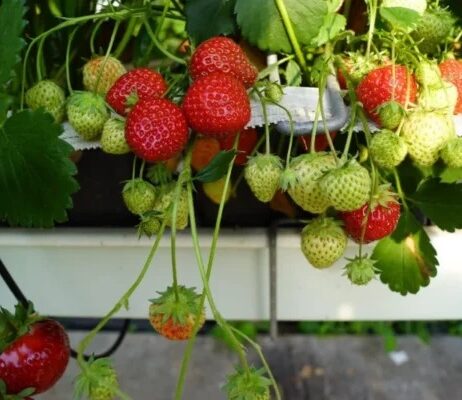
11 42
207 18
217 167
261 23
400 17
293 74
333 25
450 175
35 171
441 202
406 260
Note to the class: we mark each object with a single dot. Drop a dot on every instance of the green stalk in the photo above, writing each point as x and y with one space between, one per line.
93 35
108 52
399 188
265 118
39 61
189 348
259 351
160 47
291 34
162 18
68 49
123 301
372 21
126 37
184 176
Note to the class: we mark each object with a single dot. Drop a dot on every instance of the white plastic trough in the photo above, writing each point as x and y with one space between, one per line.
82 272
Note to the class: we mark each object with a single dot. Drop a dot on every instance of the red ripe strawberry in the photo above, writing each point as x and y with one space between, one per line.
247 142
451 71
217 105
137 84
381 220
222 54
156 130
379 87
34 352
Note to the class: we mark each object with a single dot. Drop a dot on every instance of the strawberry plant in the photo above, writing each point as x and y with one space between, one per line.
184 88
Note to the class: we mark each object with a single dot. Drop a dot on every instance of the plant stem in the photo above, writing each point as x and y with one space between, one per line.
126 37
259 351
291 34
399 188
372 20
93 36
265 118
160 47
39 60
123 301
205 277
68 49
162 18
108 52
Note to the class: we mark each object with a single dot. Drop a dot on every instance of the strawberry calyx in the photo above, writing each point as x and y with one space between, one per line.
98 380
247 384
159 174
22 395
13 326
131 99
360 270
384 197
177 306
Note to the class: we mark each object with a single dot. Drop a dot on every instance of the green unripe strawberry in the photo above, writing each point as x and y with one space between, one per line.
426 134
139 196
360 271
48 95
347 187
433 29
87 113
248 384
428 74
99 74
263 173
452 153
391 114
418 6
149 225
440 98
164 204
273 91
387 149
323 242
98 381
305 190
113 137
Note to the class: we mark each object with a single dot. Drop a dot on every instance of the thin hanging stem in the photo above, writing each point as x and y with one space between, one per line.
126 37
265 118
291 34
108 52
93 35
162 48
68 62
372 21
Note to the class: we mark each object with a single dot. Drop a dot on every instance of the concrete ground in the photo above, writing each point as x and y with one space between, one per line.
307 368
